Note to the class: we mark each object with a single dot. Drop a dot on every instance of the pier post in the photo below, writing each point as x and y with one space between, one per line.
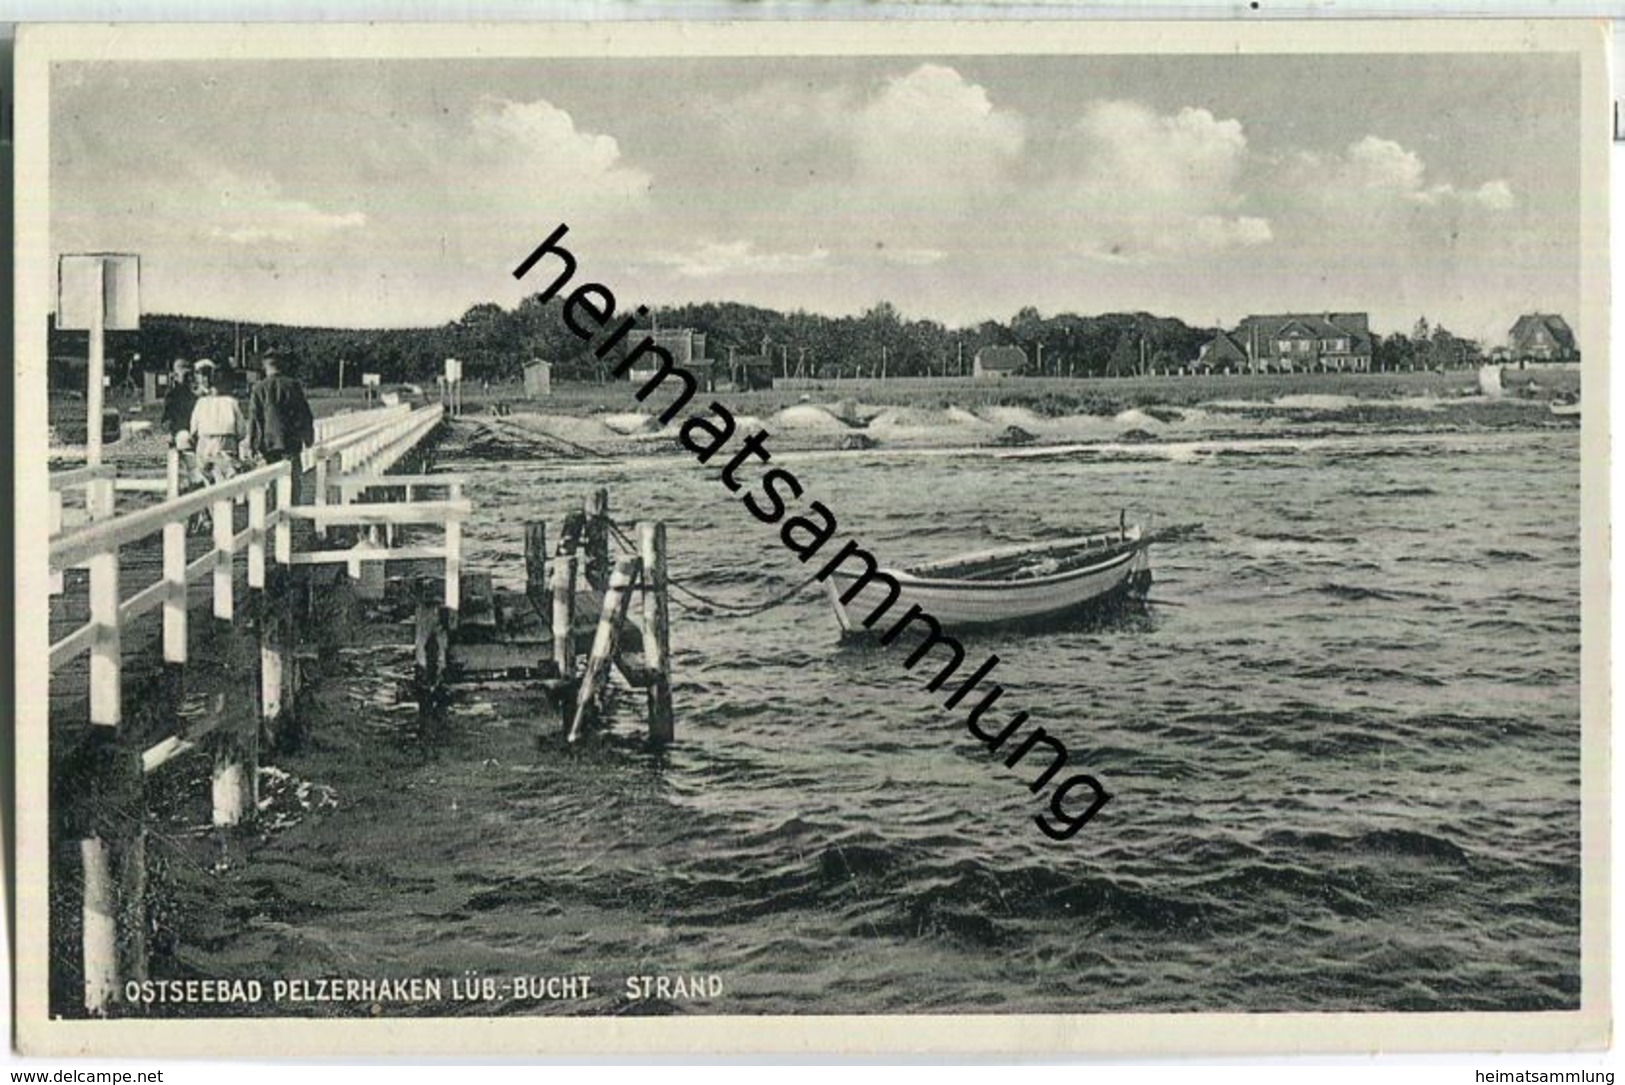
656 630
53 521
284 525
106 650
256 538
321 491
616 599
235 779
564 614
536 583
105 793
172 473
223 535
276 700
596 508
454 564
431 649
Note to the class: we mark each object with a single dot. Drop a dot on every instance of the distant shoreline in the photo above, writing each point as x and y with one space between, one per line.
556 421
1047 395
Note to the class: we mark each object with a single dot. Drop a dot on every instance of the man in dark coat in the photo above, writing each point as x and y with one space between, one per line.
179 400
280 425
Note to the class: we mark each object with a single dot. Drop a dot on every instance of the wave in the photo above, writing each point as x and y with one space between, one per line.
1362 593
1398 491
1410 843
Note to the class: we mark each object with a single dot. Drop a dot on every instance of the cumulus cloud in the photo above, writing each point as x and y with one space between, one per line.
253 212
712 259
932 131
1373 172
525 155
1137 184
912 257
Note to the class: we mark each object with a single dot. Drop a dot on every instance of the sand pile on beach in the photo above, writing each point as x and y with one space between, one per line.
628 423
1021 417
805 416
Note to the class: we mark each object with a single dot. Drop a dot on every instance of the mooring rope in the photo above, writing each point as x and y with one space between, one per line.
732 609
715 608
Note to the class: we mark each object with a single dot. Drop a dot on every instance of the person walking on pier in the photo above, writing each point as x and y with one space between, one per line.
179 401
217 431
217 427
280 425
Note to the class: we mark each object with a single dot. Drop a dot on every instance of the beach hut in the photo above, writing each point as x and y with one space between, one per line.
538 379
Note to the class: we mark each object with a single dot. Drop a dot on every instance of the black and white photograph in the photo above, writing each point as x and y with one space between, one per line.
928 537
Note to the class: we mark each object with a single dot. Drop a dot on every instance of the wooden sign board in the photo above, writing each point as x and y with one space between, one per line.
369 380
76 291
454 369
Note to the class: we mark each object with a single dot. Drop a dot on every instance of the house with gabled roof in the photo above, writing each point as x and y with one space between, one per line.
1542 337
999 361
1293 342
1222 352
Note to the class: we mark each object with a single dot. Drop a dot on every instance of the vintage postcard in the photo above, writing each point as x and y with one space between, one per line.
1017 538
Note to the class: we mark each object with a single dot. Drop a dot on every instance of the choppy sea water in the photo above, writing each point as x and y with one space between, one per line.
1343 743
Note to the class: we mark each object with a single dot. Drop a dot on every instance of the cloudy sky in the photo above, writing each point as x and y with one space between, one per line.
370 193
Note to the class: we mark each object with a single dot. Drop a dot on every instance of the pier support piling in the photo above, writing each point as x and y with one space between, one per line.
616 600
596 510
656 630
536 583
106 800
564 614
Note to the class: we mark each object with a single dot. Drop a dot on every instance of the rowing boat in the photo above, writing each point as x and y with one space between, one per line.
1030 583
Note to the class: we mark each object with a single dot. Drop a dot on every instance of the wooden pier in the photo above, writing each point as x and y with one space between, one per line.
148 613
259 541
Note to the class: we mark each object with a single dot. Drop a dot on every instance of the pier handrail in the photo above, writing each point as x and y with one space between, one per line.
333 431
80 476
335 425
97 544
79 544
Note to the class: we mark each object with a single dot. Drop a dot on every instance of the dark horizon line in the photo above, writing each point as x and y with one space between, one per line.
782 312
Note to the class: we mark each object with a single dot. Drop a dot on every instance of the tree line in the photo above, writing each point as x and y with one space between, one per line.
495 343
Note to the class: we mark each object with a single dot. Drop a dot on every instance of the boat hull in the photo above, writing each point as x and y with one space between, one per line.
967 604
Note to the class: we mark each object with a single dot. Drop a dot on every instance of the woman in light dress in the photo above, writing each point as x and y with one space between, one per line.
217 432
217 427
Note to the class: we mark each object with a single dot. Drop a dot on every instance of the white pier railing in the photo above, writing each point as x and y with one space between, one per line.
363 451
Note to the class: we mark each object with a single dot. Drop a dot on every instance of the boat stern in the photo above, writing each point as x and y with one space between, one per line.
1139 574
841 615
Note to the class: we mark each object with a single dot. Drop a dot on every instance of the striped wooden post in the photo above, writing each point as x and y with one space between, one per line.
106 651
284 526
596 509
564 614
105 802
256 538
223 533
536 565
454 564
53 519
235 780
175 592
99 912
656 630
100 500
321 490
617 597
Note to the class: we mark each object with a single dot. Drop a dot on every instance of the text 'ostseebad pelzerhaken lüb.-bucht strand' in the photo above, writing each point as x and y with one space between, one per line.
706 432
